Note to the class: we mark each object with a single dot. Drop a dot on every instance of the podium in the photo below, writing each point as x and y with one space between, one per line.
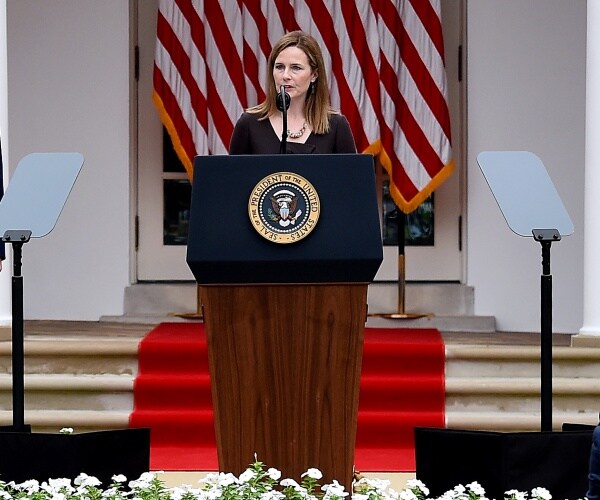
284 248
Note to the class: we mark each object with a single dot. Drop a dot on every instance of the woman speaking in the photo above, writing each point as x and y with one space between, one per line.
313 127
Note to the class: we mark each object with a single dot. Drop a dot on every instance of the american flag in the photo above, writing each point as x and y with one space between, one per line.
385 62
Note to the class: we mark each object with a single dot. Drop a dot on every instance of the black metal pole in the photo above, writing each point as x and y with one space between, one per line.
18 355
402 220
546 339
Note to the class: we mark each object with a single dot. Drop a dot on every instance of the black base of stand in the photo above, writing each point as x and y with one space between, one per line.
100 454
500 461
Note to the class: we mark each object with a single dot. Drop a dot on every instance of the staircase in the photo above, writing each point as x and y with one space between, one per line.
83 380
498 387
81 375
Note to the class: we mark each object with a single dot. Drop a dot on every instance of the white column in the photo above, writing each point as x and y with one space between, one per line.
591 249
5 275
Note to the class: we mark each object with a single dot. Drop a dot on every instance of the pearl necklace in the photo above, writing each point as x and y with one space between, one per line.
297 135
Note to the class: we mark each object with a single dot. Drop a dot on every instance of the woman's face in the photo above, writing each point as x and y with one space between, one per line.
293 71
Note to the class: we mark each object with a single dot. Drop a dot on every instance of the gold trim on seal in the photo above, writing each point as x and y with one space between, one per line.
284 207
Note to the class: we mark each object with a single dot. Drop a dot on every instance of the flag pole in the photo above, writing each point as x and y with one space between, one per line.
401 312
198 315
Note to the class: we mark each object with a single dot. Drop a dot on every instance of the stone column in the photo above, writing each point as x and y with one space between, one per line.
591 262
5 275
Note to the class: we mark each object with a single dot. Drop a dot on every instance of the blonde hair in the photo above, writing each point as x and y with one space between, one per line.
316 106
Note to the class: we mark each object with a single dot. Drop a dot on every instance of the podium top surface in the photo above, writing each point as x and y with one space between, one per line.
37 192
524 192
344 245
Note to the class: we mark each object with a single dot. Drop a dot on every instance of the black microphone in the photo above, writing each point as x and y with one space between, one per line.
281 98
282 101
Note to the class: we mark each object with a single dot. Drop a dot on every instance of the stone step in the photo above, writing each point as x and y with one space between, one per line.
72 355
85 381
514 421
445 306
519 361
115 392
87 421
520 386
520 394
78 420
71 392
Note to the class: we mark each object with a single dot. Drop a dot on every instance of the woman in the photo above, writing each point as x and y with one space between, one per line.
296 63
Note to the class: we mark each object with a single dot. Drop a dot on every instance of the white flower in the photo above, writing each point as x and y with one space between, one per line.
110 493
31 486
147 477
289 482
272 495
313 474
119 478
5 494
448 495
84 480
144 481
407 494
56 485
460 489
393 494
378 484
334 489
178 492
415 483
210 478
541 493
516 494
476 488
247 475
225 479
274 474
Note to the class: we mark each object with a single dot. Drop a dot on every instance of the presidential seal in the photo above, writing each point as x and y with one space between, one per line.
284 207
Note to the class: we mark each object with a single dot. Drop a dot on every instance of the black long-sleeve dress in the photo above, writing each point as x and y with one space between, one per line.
254 136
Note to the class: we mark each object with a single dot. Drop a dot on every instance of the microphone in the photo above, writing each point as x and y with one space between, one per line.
281 98
282 101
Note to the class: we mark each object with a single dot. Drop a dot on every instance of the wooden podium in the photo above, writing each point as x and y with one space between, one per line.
285 322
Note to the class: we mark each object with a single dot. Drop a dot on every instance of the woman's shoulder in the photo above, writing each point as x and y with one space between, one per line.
248 118
339 128
336 118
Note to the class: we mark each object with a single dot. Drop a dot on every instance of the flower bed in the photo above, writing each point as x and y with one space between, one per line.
256 483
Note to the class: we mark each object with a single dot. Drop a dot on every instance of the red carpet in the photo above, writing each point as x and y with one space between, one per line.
402 386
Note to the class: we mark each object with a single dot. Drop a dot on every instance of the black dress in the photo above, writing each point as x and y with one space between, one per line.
254 136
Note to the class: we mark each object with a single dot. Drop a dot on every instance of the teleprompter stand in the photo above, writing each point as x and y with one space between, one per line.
30 208
522 460
531 207
17 239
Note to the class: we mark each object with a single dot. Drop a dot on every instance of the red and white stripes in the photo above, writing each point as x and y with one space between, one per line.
385 65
